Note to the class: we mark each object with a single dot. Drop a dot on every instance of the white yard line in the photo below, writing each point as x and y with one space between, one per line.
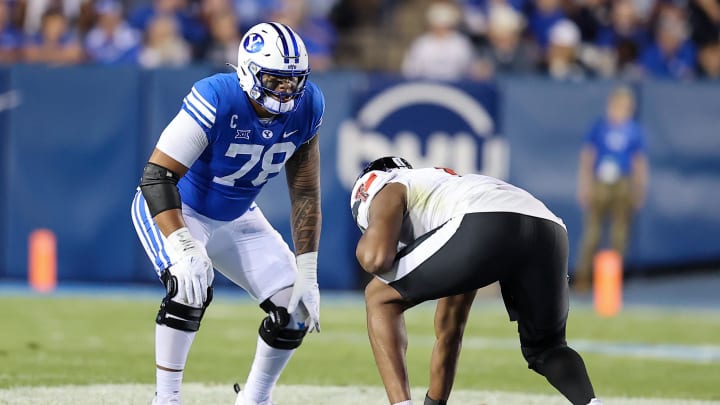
197 394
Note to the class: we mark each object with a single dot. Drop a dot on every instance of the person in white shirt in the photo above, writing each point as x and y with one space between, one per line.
442 53
432 234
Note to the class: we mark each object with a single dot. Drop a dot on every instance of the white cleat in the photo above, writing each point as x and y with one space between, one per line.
595 401
240 400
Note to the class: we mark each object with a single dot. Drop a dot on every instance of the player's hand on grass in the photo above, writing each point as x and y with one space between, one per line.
192 271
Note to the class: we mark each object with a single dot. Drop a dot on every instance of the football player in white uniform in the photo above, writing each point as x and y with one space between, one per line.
431 234
195 210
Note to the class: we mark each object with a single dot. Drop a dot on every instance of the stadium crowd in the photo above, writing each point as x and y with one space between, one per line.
437 39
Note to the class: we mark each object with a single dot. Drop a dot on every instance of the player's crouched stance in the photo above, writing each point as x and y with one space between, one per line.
195 212
431 234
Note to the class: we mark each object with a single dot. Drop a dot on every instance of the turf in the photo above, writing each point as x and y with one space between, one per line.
61 340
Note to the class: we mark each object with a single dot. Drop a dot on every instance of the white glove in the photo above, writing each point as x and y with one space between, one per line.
306 289
192 270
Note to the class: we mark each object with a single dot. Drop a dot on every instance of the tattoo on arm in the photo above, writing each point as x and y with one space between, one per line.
303 177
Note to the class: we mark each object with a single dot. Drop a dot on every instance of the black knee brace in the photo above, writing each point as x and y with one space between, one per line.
191 316
536 357
273 328
535 351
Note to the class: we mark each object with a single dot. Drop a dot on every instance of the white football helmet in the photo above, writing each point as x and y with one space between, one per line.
273 66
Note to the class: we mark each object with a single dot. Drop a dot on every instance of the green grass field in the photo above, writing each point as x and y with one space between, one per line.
54 341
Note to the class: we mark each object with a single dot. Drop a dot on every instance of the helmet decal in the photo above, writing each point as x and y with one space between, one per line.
284 33
254 43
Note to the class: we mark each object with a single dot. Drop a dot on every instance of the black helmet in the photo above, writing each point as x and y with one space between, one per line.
386 164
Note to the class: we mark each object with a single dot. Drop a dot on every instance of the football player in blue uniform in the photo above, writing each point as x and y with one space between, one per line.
195 210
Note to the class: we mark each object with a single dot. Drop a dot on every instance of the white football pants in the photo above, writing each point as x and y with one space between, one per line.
247 250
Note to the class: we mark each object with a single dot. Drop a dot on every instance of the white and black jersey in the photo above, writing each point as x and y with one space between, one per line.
461 233
437 195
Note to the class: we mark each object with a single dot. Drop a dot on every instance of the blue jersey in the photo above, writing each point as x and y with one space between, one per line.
243 153
616 144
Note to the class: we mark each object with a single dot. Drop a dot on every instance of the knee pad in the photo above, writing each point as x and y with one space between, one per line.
536 351
277 330
536 356
183 317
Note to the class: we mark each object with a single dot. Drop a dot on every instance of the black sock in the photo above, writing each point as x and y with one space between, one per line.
430 401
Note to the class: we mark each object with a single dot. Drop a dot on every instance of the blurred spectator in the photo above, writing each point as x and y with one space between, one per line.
442 53
476 15
164 46
644 9
224 40
561 60
360 34
209 9
624 25
618 44
704 18
223 26
672 54
709 61
316 31
10 36
188 25
612 180
112 40
705 22
321 7
349 15
589 16
55 44
32 12
506 51
544 15
251 12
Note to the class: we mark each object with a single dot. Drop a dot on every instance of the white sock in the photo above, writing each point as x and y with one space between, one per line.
167 384
171 351
267 366
408 402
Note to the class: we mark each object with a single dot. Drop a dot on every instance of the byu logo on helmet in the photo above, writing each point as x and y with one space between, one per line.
254 43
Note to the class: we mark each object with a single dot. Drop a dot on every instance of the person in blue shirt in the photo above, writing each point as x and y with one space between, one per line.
10 37
612 180
195 209
111 40
672 55
191 28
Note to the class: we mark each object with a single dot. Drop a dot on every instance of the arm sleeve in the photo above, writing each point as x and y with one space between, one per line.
183 139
